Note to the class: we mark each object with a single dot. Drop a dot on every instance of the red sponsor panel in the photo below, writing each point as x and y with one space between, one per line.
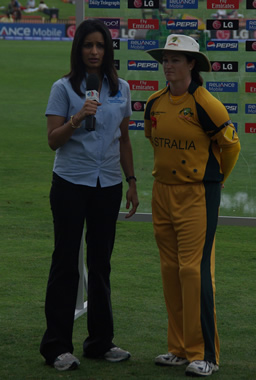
70 31
250 87
114 33
143 85
151 24
250 127
223 34
223 4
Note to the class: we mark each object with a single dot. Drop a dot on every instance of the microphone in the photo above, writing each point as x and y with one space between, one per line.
92 87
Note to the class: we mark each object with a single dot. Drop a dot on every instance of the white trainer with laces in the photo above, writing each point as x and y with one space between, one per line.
201 368
65 362
116 354
170 359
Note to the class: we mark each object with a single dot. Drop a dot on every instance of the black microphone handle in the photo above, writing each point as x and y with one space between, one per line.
90 123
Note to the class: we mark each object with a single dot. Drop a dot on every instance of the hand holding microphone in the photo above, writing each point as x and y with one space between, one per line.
92 87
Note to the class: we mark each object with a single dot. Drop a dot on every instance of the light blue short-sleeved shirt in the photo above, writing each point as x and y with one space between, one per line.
89 155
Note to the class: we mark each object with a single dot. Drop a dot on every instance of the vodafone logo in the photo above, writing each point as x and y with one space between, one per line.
254 4
216 24
254 45
71 31
216 66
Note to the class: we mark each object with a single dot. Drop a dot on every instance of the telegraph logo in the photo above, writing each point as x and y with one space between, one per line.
250 45
138 105
104 3
222 24
225 66
250 67
182 24
143 65
148 4
222 45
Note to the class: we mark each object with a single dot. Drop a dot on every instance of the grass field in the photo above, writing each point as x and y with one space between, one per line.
28 69
139 311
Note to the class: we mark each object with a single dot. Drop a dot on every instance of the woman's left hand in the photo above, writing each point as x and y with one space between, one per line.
131 198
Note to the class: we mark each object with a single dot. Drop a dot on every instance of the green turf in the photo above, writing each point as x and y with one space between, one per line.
138 306
28 70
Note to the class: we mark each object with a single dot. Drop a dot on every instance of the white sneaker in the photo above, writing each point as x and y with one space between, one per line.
201 368
66 362
116 354
170 359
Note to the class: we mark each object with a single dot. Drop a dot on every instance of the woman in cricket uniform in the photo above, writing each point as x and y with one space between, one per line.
195 149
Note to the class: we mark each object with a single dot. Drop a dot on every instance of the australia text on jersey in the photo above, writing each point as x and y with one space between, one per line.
173 144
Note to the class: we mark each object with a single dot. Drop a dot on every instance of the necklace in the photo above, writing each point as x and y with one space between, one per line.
177 99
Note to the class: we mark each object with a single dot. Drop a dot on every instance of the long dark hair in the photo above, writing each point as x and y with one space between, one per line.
195 74
77 68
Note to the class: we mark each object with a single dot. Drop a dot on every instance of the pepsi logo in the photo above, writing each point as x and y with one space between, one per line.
132 124
250 66
210 44
170 23
132 64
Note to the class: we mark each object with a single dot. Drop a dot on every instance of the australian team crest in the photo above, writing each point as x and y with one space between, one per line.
186 113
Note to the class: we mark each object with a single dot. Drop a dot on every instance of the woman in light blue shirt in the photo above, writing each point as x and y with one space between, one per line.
89 132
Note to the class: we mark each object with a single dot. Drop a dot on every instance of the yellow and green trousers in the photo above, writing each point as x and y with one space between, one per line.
185 220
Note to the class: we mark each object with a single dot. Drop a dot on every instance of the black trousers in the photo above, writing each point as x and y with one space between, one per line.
72 206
